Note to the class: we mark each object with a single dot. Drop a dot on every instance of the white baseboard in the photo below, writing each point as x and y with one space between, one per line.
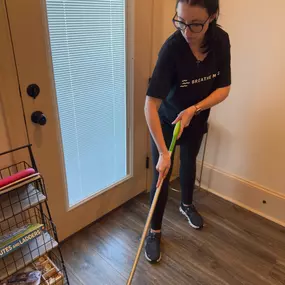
240 192
244 193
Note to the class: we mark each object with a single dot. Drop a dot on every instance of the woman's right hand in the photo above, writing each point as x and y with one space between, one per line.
163 166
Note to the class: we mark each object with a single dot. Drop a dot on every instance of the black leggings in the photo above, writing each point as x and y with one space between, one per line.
189 149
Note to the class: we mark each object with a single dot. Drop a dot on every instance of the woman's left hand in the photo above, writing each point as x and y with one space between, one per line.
185 117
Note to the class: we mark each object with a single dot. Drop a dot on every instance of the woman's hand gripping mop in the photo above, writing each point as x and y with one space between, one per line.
153 205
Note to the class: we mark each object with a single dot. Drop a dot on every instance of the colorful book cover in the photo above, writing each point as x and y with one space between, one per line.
18 237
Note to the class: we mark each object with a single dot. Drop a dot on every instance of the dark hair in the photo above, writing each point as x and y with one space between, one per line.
212 7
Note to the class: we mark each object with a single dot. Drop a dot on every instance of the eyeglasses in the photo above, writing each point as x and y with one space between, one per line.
194 27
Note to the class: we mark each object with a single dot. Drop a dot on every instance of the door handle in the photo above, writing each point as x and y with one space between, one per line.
39 118
33 90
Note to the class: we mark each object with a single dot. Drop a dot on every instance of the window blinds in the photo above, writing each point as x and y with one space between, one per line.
89 61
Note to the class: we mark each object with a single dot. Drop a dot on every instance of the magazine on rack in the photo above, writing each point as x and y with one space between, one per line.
18 237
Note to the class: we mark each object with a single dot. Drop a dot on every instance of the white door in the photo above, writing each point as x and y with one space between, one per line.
91 62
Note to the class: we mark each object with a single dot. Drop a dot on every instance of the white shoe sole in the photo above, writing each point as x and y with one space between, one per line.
152 260
189 221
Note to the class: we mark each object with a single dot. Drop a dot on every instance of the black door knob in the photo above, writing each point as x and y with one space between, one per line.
33 90
39 117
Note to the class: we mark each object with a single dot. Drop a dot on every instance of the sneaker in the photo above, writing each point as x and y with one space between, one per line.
152 247
194 218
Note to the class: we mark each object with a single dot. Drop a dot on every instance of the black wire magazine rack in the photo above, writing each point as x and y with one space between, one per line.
28 236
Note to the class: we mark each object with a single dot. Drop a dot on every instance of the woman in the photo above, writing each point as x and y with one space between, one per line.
192 74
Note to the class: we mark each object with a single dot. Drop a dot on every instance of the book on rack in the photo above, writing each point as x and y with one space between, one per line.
24 278
18 237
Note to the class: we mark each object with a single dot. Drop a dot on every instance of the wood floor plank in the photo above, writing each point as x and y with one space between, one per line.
88 264
227 231
167 274
240 263
277 273
73 278
199 266
254 231
119 254
235 247
261 232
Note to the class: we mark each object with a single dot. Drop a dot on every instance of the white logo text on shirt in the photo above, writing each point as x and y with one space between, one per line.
186 83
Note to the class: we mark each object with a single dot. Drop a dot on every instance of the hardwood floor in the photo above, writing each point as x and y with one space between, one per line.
235 247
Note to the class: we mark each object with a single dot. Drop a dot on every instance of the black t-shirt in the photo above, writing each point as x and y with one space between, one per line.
181 81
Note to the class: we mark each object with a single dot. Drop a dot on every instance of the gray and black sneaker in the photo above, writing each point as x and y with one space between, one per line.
194 218
152 247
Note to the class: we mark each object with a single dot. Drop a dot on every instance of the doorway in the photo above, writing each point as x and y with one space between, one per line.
82 69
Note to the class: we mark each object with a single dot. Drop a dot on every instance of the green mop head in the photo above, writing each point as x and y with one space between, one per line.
175 135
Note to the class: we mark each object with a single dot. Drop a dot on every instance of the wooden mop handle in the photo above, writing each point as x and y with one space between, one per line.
153 205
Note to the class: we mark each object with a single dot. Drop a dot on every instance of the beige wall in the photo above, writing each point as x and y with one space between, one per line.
245 159
247 136
162 24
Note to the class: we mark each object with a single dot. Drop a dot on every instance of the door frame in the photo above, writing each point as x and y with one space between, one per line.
12 104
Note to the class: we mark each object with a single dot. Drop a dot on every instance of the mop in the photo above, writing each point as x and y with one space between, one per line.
153 205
